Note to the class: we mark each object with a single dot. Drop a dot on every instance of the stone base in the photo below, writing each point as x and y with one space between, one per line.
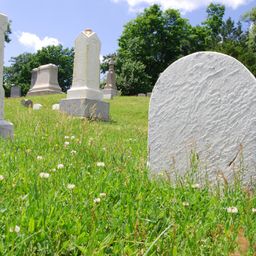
92 109
108 96
6 129
39 92
83 92
109 93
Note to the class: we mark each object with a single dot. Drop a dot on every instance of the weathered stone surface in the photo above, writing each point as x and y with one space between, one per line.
109 93
85 97
6 128
108 96
92 109
110 89
44 80
86 71
15 91
33 77
204 103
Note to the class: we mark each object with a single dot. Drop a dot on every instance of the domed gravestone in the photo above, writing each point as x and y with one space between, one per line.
203 107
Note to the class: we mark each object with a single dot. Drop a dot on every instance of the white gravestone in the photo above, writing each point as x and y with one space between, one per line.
110 89
37 106
56 107
44 80
6 128
204 103
85 98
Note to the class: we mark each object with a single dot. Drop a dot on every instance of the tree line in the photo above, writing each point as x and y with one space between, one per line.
148 45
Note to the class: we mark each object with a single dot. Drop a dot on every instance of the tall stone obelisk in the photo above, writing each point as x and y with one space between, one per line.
85 97
6 128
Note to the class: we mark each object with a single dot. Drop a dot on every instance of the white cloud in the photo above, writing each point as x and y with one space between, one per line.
34 42
182 5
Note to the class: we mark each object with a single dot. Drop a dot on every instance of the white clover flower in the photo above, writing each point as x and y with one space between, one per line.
90 141
72 137
71 186
232 209
66 143
73 152
44 175
60 166
96 200
100 164
16 229
66 137
254 210
103 194
39 157
186 204
1 177
196 185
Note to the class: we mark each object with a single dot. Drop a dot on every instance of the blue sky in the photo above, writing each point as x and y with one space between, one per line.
39 23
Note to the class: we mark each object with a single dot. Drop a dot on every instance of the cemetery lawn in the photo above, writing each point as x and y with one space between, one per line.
69 186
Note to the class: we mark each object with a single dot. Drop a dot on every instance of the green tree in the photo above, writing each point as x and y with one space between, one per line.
63 58
150 42
155 38
250 17
214 23
132 76
104 66
19 73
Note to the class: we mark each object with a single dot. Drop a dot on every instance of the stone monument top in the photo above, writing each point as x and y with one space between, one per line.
86 69
84 98
44 80
88 31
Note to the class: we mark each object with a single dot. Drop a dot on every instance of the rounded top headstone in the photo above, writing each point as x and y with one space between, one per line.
204 104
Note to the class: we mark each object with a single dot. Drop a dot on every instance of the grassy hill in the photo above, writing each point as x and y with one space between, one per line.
69 186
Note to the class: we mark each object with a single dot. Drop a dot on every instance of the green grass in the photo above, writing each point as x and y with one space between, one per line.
138 216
